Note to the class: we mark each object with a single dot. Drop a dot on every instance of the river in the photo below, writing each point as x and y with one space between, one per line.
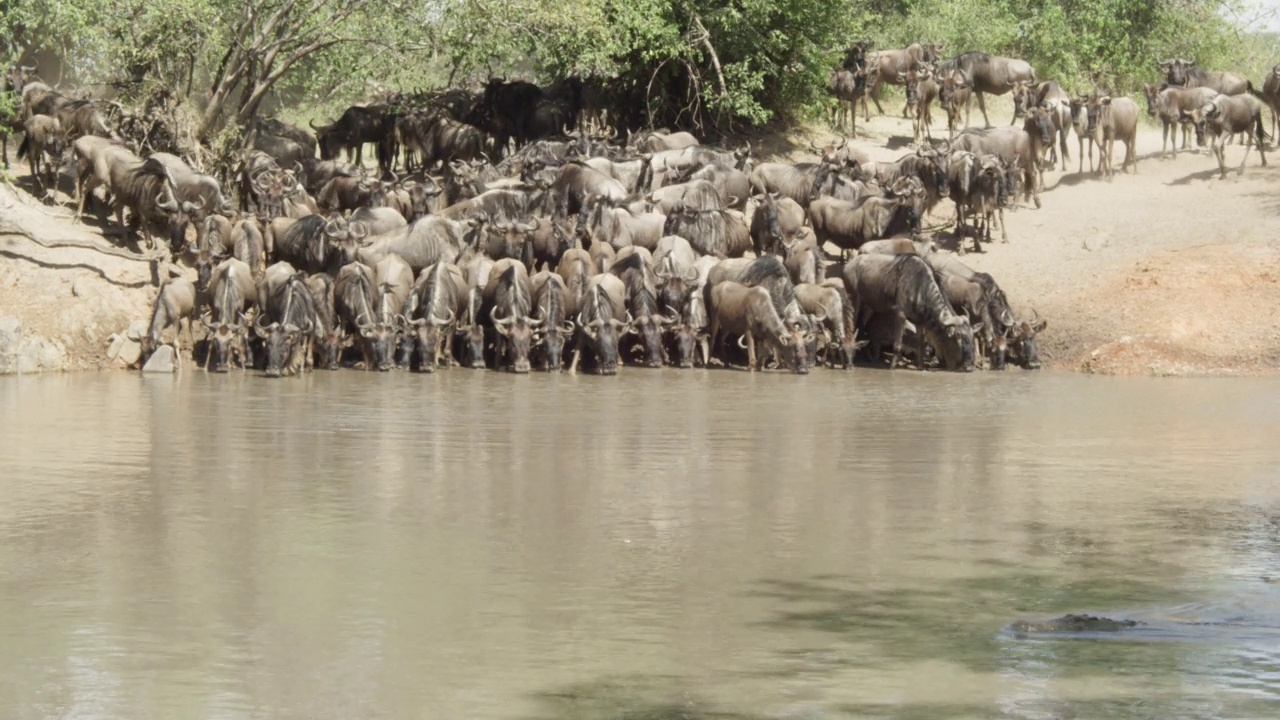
663 544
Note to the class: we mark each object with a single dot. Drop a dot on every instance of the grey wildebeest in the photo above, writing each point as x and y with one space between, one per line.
979 189
1168 104
576 181
1050 97
600 322
141 186
550 303
395 280
1112 119
748 312
1185 73
675 267
355 303
804 260
42 136
428 241
829 304
175 302
1226 115
314 243
801 182
286 321
954 94
847 87
232 293
619 227
1012 145
658 140
368 222
848 225
508 308
327 338
436 304
991 75
723 233
905 287
1271 96
694 194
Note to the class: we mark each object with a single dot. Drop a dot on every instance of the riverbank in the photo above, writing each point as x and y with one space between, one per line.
1169 271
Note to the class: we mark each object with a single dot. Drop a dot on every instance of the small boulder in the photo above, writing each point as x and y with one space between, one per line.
161 361
136 330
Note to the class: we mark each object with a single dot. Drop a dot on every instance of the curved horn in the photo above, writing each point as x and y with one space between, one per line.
313 125
742 341
207 320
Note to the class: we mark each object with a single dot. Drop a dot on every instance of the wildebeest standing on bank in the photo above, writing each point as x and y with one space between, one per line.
1226 115
175 302
1112 119
990 74
1185 73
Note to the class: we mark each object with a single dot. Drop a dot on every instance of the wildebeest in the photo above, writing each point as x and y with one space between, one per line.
1012 145
551 307
368 222
247 246
286 321
314 243
232 293
428 241
829 304
694 194
42 135
344 193
801 182
436 305
776 222
327 336
723 233
576 181
928 165
355 303
905 287
356 127
14 82
891 67
1113 119
600 322
847 87
395 281
619 227
978 189
1050 96
991 74
804 259
1168 104
645 319
847 225
141 186
1226 115
657 141
575 269
1185 73
674 267
738 310
954 94
508 309
1271 96
175 302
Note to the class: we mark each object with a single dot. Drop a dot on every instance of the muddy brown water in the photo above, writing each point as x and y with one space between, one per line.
659 545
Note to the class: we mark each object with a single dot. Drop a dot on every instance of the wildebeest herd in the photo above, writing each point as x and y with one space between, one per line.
513 228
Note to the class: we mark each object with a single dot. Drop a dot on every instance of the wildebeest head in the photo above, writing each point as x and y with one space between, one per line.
1152 93
1177 71
1039 125
603 336
205 262
649 329
279 342
420 196
507 239
794 347
934 168
1023 97
428 335
336 242
221 340
1020 339
552 341
910 191
674 287
954 343
518 330
472 337
329 140
685 339
953 90
820 176
178 216
329 346
381 338
742 158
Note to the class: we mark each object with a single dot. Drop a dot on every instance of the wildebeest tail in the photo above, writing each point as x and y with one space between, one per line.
1255 92
1260 129
25 148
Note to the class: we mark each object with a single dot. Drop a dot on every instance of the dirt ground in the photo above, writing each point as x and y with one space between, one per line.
1169 271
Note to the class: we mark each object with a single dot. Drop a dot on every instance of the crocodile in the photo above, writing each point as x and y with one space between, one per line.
1072 623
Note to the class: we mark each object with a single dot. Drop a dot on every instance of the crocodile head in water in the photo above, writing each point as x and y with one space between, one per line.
1072 623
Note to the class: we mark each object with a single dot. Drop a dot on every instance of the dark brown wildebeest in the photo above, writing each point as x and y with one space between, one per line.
776 222
1226 115
437 304
891 67
1012 145
926 164
175 302
600 322
313 244
978 188
847 87
990 74
738 310
922 90
905 287
286 320
1112 119
1185 73
1168 104
232 293
357 126
847 225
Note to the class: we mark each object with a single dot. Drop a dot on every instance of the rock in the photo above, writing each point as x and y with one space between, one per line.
136 330
10 338
161 361
37 354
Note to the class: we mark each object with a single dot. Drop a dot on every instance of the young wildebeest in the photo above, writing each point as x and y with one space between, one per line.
1112 119
175 302
736 309
905 286
1226 115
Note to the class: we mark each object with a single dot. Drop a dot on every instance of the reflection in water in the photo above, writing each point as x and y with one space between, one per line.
658 545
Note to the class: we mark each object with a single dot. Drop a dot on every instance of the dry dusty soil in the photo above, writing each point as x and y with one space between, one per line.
1166 271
